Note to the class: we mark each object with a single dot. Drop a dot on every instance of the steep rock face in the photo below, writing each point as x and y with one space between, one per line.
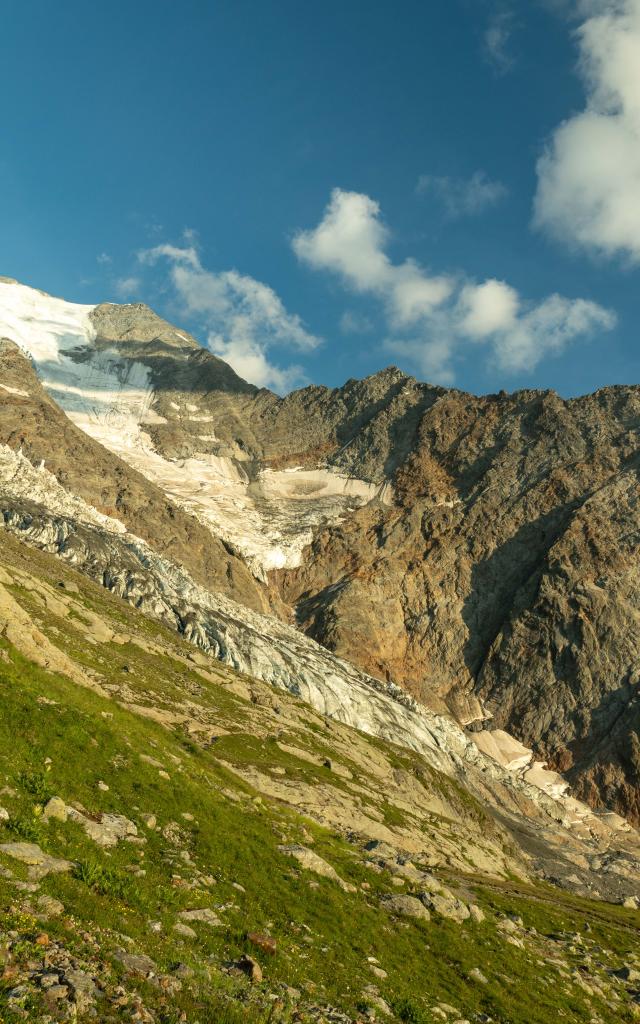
572 648
504 581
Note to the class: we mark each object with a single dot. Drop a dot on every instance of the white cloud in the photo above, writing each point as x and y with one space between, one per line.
244 318
103 258
432 357
355 323
487 308
547 329
351 239
126 287
248 358
177 254
497 39
589 177
463 197
431 320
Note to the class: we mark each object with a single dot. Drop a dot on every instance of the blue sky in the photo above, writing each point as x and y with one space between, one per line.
319 190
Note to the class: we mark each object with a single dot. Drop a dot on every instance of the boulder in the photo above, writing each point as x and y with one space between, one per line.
108 830
49 907
82 986
265 943
136 963
446 906
203 915
39 863
312 862
629 974
406 906
251 968
476 975
56 809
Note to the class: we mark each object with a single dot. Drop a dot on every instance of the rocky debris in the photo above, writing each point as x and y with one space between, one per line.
69 987
4 814
65 983
174 834
512 931
375 1001
48 906
82 987
406 906
40 864
311 861
185 930
136 963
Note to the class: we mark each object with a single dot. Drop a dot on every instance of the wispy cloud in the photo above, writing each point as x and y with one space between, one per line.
588 191
103 258
355 323
127 287
243 318
463 197
433 319
497 41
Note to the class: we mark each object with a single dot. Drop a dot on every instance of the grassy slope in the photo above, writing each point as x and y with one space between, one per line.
57 738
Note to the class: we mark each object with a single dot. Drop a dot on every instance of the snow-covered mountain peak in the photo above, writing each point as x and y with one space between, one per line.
43 326
135 384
